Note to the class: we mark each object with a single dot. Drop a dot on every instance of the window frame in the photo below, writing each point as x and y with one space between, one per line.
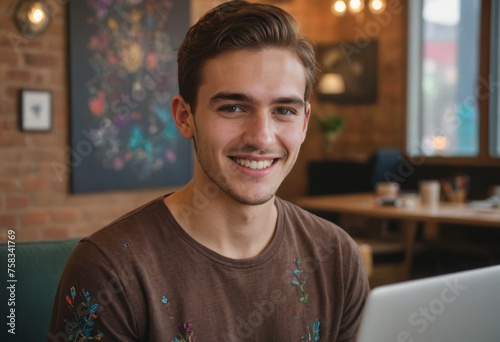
491 95
494 105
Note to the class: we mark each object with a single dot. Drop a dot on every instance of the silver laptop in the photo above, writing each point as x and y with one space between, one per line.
458 307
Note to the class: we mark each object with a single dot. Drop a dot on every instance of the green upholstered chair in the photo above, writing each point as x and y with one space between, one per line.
38 267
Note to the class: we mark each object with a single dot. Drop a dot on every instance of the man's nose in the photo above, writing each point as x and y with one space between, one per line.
260 130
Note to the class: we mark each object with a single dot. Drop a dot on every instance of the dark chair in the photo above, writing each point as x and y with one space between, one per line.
383 166
38 267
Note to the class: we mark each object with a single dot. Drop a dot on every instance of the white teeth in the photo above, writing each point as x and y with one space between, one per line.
253 164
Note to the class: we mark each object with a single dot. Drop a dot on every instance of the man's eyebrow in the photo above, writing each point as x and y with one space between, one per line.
222 96
292 100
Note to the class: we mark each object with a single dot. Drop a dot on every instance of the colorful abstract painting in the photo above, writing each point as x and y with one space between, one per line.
123 74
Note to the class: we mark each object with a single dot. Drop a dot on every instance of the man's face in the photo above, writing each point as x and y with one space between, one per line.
250 121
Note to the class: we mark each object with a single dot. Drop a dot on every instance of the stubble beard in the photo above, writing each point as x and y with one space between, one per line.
222 181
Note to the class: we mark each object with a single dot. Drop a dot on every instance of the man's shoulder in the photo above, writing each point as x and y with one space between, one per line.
136 224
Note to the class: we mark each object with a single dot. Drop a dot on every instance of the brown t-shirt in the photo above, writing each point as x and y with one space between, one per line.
143 278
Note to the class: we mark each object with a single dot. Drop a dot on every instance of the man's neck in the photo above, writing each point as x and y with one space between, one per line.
232 229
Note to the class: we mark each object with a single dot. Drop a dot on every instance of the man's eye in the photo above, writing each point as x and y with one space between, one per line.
231 109
285 111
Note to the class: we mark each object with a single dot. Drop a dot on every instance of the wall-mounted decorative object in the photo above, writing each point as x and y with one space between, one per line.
349 72
123 73
31 17
36 110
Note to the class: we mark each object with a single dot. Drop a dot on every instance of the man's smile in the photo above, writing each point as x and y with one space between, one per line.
254 164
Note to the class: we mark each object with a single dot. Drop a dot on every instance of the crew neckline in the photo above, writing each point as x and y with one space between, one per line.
260 259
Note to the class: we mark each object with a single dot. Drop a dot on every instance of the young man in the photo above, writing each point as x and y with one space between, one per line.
224 259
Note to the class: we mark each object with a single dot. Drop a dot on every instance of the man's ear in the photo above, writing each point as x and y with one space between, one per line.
183 118
307 116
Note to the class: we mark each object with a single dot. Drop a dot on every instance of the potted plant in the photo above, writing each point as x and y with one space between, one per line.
331 126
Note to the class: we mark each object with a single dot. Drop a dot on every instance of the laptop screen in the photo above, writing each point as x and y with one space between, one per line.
458 307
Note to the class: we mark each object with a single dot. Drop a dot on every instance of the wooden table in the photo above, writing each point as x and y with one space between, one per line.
409 217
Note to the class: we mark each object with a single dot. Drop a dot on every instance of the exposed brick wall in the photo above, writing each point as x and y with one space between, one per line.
39 205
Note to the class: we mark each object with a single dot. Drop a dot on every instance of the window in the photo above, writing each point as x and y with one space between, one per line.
443 88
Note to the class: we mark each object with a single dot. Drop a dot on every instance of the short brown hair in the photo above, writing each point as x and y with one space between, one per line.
236 25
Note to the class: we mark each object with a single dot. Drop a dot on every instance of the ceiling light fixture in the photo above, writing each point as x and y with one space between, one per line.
377 6
356 6
341 7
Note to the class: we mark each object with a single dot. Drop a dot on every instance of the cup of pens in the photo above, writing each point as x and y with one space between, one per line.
455 188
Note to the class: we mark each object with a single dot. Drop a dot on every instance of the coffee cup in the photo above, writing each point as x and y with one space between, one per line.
429 191
387 190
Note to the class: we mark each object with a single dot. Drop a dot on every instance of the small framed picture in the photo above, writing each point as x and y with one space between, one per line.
36 110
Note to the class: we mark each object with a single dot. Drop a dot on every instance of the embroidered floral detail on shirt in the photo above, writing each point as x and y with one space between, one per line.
299 281
297 313
186 333
82 326
166 303
312 335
